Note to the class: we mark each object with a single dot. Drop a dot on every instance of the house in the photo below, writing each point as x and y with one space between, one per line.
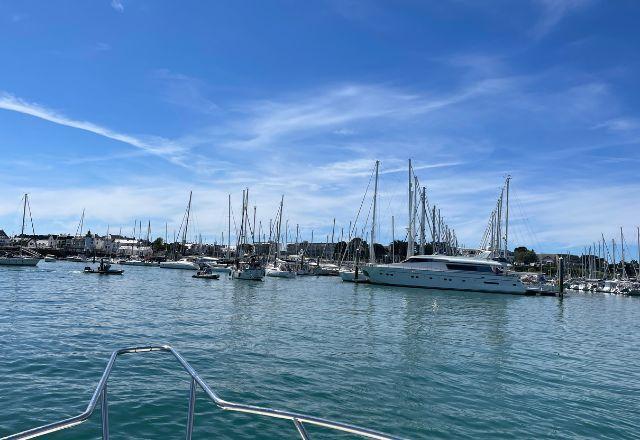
4 239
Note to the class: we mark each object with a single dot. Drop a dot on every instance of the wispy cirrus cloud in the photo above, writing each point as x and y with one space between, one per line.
155 145
184 91
117 5
553 12
339 109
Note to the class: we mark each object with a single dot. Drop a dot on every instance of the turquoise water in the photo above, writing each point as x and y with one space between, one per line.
413 363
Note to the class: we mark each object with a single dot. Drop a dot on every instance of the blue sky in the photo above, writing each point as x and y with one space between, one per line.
123 107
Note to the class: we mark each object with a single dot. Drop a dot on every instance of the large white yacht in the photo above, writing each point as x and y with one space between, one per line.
447 273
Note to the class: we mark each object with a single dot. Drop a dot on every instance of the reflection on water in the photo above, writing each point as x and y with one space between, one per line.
415 363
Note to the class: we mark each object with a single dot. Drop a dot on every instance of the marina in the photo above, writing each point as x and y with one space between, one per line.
319 220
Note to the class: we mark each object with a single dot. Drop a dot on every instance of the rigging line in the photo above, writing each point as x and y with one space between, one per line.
353 229
525 219
33 229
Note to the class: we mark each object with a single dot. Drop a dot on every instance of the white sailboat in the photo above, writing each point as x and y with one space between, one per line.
183 263
251 268
356 275
23 257
279 269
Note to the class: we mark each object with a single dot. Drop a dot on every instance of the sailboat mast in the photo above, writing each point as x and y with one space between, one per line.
186 225
393 240
410 228
423 218
622 263
506 222
372 251
24 213
279 231
638 245
229 231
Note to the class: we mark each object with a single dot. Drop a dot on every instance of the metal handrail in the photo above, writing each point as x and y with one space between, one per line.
101 394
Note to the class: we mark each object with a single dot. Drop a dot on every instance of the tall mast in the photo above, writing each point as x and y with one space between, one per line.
433 231
410 227
506 223
186 226
393 240
423 218
372 251
638 244
279 231
82 221
333 231
613 249
253 231
229 231
24 213
624 268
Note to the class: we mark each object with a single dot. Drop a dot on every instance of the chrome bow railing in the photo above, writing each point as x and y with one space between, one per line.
100 394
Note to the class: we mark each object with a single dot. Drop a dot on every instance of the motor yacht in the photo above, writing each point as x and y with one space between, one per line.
447 273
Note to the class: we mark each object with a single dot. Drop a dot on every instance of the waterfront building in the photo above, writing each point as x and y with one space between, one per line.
4 238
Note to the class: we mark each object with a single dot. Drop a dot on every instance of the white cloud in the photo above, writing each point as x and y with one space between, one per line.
185 91
553 12
117 5
151 144
620 124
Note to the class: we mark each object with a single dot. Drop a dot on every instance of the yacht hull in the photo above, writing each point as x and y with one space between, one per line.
441 280
248 274
350 276
275 273
18 261
178 265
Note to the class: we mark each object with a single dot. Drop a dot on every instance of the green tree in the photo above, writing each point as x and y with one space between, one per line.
158 245
525 256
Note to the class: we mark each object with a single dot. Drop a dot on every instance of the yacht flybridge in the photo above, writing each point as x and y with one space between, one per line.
447 273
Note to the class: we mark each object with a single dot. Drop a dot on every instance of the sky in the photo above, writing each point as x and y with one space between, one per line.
122 107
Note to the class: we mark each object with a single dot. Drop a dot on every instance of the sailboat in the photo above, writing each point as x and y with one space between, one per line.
280 269
356 275
24 257
183 263
249 268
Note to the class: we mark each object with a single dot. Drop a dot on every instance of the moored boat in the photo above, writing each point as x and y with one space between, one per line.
103 269
183 263
9 259
447 273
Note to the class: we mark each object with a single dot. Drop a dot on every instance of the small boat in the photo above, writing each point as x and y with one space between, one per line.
180 264
206 273
77 258
251 270
50 258
327 270
104 269
354 276
281 271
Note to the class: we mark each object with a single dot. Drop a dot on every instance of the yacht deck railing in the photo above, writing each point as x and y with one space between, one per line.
100 395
